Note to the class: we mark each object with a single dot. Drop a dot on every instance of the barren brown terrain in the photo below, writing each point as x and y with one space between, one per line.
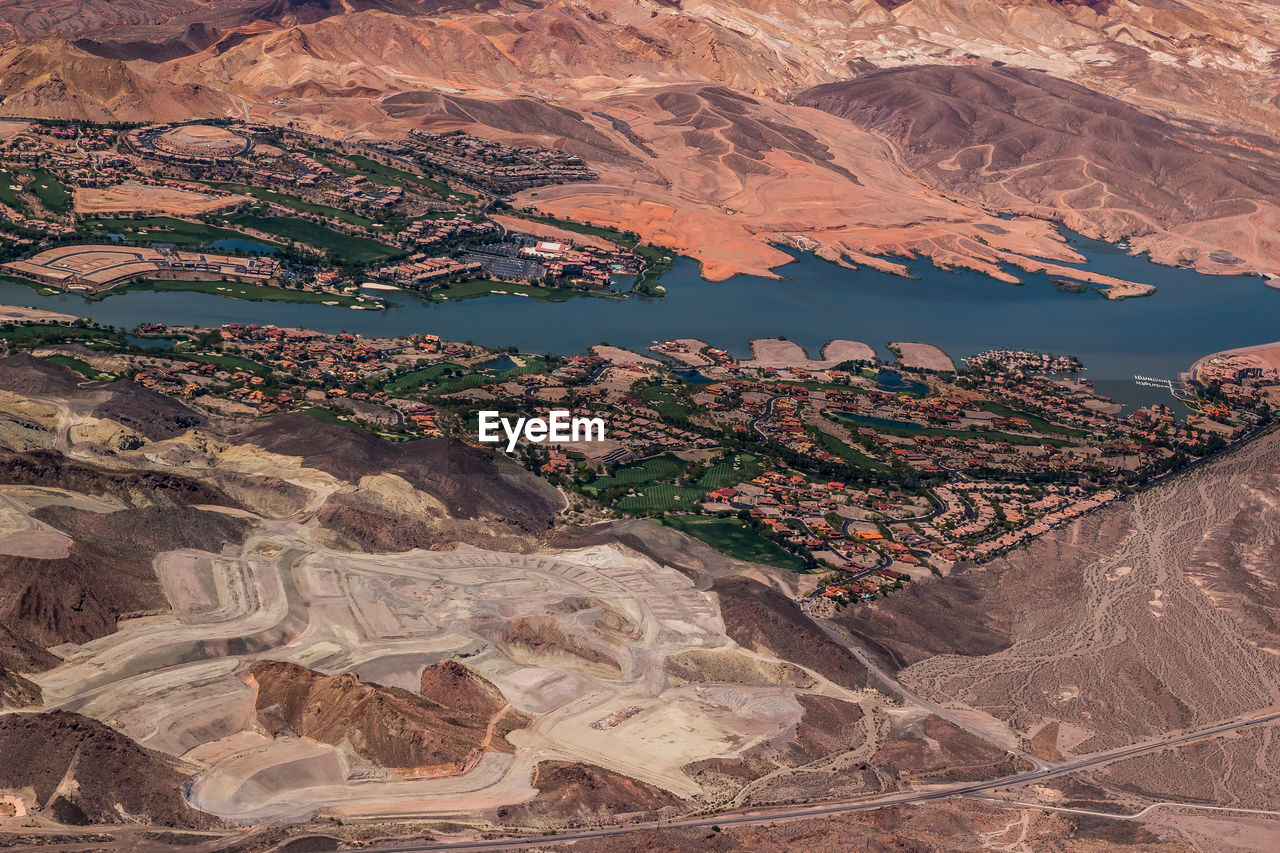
698 116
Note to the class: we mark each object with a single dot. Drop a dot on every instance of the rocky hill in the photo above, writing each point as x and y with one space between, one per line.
84 772
442 731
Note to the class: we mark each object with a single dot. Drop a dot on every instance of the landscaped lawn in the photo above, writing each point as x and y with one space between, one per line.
649 471
725 474
166 229
1036 423
850 454
237 290
380 173
356 250
663 400
660 497
53 193
41 334
226 362
79 366
292 201
907 430
11 197
735 538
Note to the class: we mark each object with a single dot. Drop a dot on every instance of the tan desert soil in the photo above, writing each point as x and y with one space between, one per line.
952 827
147 412
541 636
470 483
923 356
616 355
14 313
551 232
772 352
1028 143
25 374
134 197
726 665
50 469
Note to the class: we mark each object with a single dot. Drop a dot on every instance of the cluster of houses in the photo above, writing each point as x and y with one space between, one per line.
493 166
1242 379
589 265
432 233
1022 361
420 272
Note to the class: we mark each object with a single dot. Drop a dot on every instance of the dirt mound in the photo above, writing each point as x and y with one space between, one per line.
470 483
18 655
26 374
575 794
451 685
148 413
707 665
928 619
107 574
84 772
764 620
375 529
16 691
393 728
51 469
542 637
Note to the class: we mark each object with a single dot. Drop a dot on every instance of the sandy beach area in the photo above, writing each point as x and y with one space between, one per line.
19 314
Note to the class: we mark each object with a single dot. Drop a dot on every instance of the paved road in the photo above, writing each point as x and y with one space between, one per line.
758 816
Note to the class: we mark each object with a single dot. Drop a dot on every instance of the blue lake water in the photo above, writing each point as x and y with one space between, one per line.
891 380
692 376
231 244
502 362
1190 315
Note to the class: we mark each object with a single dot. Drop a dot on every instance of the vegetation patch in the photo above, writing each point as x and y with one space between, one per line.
53 193
165 229
236 290
348 248
736 538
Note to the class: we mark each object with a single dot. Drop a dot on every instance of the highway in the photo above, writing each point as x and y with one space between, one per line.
785 813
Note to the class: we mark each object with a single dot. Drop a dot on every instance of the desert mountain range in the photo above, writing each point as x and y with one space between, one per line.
955 130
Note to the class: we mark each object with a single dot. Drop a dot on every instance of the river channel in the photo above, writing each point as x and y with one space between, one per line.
1189 315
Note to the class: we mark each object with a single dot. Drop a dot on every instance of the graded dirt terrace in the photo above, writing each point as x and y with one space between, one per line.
137 197
387 615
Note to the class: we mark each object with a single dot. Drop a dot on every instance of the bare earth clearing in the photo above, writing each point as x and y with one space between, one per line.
135 197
